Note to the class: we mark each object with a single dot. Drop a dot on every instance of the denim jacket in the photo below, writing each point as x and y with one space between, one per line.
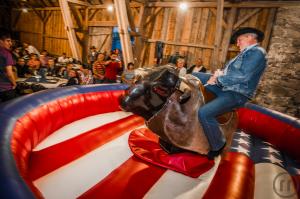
243 72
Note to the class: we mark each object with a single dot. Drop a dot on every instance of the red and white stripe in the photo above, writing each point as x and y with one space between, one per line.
90 158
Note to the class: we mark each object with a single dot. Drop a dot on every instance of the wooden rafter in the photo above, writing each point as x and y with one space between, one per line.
122 19
218 35
153 17
245 18
269 27
246 4
78 2
214 11
227 34
65 10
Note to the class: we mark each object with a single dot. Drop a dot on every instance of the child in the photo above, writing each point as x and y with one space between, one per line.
128 76
73 78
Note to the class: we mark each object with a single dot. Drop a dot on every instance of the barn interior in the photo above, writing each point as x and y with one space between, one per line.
60 141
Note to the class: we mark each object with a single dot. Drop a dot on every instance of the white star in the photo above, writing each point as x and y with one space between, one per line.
244 134
241 149
272 150
242 141
273 159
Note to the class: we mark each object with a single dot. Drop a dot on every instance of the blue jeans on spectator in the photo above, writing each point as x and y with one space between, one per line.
225 101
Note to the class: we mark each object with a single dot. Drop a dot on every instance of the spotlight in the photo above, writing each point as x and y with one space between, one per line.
183 6
25 10
110 8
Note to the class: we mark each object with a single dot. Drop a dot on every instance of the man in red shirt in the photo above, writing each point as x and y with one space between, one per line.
113 67
7 78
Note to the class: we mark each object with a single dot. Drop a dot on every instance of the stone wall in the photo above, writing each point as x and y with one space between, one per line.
279 88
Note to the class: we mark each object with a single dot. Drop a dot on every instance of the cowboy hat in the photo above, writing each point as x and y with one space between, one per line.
245 30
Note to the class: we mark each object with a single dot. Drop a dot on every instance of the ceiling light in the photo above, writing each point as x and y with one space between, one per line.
183 6
110 8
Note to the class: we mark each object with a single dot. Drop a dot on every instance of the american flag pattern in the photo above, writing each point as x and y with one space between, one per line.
73 143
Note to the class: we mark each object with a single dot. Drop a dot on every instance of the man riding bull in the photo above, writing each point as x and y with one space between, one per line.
233 86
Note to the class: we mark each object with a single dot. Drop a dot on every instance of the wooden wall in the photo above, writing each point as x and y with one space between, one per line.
190 32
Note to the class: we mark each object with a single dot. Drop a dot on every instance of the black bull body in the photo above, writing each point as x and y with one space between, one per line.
156 98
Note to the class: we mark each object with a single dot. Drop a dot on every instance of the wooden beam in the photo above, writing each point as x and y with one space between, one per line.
47 16
65 11
130 16
16 19
82 3
104 6
227 35
122 19
248 4
103 43
214 11
102 23
77 16
153 16
245 18
93 14
218 35
269 27
139 41
182 44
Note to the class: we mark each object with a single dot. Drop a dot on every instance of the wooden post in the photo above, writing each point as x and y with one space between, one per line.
268 31
65 11
215 58
227 35
122 19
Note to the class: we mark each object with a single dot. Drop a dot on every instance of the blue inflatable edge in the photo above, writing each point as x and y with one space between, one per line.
12 185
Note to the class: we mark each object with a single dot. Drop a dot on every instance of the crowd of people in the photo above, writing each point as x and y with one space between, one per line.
100 67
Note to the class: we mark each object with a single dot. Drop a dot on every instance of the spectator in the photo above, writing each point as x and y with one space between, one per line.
99 68
22 68
180 67
197 67
112 68
92 55
85 76
31 49
51 67
63 59
128 76
73 78
44 58
7 79
34 64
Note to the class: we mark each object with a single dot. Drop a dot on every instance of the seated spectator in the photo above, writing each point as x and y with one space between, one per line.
85 76
25 55
31 49
92 55
113 66
51 67
99 69
22 68
34 64
73 78
44 58
16 53
197 67
173 58
63 59
128 76
180 67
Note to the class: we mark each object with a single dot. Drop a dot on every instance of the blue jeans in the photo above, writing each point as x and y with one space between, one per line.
225 101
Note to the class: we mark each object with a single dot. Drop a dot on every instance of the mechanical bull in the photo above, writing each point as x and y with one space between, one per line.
171 111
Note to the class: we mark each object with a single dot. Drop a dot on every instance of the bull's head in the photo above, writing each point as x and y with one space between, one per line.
150 93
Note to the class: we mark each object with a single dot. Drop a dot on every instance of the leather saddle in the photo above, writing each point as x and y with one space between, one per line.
178 123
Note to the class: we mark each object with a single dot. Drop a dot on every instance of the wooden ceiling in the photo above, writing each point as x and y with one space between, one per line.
55 3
